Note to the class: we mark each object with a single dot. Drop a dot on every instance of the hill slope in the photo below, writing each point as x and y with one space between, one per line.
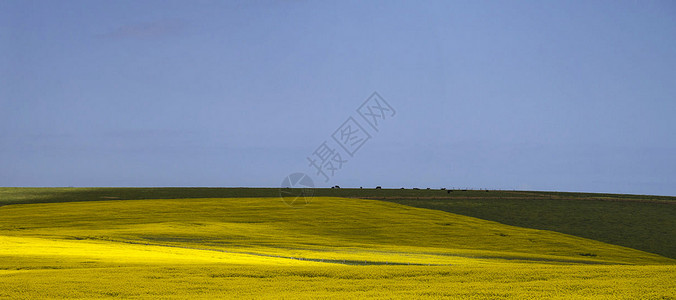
328 228
637 221
333 247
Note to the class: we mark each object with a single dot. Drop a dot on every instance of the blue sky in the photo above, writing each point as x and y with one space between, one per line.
543 95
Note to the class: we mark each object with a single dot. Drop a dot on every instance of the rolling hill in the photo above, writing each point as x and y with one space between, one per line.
250 247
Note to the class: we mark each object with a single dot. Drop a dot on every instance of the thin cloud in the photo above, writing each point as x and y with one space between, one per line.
156 29
147 133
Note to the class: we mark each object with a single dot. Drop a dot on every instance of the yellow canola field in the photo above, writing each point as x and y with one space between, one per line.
97 251
334 247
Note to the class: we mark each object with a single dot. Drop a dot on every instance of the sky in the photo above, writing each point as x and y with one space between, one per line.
525 95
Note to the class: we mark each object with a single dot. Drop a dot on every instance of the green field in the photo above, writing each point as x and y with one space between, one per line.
640 223
207 243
